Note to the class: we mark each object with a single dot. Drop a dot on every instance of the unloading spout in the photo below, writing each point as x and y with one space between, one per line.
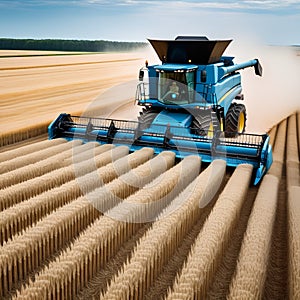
250 63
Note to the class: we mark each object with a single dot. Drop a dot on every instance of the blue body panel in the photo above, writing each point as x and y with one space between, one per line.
174 119
159 104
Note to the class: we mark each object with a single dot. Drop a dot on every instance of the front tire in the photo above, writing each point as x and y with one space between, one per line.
235 122
146 117
206 124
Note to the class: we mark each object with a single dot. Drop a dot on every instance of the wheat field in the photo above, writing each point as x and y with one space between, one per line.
90 221
35 90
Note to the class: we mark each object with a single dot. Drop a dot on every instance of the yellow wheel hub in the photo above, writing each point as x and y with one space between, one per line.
210 132
241 123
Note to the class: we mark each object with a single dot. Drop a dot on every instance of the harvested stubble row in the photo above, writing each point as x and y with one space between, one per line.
12 137
87 152
160 242
294 242
79 156
30 158
272 135
95 246
207 252
27 251
35 186
21 151
298 123
275 286
293 209
39 168
111 194
279 150
248 281
292 153
26 213
141 210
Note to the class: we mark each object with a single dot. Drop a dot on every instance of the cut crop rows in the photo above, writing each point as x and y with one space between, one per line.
94 221
103 238
58 228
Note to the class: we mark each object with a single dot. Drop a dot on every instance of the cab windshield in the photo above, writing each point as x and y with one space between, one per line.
176 87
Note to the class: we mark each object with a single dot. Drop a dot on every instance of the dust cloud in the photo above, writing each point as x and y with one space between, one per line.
276 94
117 102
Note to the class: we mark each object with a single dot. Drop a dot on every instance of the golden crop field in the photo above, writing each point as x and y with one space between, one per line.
35 90
91 221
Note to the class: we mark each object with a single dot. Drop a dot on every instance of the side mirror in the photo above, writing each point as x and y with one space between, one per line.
141 75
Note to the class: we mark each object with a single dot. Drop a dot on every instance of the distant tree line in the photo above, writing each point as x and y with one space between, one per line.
68 45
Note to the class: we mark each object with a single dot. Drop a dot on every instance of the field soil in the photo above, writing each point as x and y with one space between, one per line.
21 53
37 89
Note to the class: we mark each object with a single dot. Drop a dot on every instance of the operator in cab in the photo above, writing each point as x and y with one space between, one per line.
174 88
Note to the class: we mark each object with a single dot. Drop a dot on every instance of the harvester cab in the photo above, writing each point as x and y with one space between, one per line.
191 104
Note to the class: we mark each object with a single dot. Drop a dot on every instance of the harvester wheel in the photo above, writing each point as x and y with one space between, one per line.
146 117
206 124
235 122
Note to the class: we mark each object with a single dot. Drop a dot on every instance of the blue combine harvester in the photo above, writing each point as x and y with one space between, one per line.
191 106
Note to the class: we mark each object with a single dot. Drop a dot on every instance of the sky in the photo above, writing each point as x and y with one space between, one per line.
268 22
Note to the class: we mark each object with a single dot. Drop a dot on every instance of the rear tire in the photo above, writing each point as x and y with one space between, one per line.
235 122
